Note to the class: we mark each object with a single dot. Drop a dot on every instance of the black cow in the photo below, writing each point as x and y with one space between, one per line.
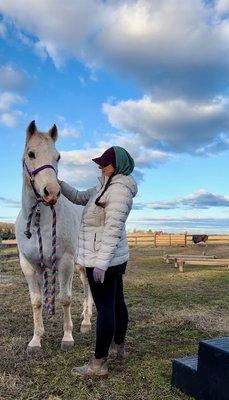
199 238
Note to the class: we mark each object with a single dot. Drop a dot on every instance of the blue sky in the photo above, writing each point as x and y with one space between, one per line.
146 75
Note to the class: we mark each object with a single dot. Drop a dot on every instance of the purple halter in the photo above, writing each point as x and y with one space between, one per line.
35 172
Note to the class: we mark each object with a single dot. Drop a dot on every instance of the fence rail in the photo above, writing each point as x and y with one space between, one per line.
6 256
170 239
7 245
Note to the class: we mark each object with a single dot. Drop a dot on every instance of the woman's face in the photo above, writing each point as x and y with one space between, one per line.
108 170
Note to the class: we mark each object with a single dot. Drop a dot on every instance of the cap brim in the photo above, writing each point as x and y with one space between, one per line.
98 161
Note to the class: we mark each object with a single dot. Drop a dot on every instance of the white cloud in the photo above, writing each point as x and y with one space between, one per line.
8 116
144 156
82 156
172 47
172 125
222 6
12 82
66 129
69 131
7 100
81 176
12 78
201 199
178 51
77 167
45 21
11 118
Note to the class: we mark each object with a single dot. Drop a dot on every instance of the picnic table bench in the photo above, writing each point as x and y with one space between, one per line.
175 257
195 259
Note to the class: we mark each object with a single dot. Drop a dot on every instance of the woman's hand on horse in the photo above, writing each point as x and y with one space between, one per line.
98 275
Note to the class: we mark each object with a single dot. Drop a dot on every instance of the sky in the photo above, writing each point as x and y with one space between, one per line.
150 76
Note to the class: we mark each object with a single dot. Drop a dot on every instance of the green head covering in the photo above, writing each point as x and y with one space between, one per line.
124 162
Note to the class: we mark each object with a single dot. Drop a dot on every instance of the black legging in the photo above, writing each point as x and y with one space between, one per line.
112 315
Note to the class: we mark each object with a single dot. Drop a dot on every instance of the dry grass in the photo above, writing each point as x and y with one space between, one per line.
169 313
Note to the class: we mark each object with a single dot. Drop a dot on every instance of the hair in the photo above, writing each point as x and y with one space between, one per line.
104 190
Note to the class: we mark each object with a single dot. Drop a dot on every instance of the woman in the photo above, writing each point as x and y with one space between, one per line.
103 250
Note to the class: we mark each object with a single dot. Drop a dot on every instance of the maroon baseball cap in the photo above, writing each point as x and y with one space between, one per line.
108 157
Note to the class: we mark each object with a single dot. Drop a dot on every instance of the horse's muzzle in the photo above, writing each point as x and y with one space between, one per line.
50 199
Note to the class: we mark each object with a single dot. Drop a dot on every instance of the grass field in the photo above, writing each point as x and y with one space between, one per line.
169 313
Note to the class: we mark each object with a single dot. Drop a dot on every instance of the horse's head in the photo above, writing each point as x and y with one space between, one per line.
40 151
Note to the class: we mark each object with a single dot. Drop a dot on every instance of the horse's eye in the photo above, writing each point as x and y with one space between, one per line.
58 158
31 154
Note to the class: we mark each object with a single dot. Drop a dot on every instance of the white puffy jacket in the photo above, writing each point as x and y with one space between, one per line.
102 236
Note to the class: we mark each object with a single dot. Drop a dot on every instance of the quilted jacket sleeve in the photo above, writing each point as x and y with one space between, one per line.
79 197
118 205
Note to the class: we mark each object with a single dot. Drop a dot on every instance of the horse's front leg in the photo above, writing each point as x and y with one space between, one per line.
35 283
87 303
66 271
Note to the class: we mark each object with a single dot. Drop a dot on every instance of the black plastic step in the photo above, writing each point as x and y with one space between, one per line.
184 375
213 369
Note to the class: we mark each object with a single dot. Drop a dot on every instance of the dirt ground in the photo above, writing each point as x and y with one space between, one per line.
169 313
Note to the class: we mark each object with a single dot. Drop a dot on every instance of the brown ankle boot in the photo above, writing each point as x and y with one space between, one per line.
95 367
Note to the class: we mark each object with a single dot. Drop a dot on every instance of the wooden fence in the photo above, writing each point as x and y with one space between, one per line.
171 239
6 256
154 239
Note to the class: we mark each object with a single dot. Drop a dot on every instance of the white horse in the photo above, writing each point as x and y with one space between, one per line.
40 163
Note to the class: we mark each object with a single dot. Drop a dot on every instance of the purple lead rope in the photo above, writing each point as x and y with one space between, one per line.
49 303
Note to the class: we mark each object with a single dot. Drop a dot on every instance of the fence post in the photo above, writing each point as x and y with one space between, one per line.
136 240
170 241
155 239
185 239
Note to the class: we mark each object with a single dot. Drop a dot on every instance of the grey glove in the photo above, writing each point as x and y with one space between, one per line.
98 275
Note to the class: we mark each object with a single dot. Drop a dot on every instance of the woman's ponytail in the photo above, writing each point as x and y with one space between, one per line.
104 190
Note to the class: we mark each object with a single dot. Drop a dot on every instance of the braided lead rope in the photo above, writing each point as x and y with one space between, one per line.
37 224
27 232
54 266
49 304
42 265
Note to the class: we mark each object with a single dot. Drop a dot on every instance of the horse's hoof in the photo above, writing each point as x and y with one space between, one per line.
85 328
67 345
34 349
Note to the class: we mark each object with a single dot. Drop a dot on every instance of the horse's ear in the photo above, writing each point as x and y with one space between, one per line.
53 133
31 129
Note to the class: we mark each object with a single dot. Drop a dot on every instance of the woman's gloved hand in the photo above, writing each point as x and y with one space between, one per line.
98 275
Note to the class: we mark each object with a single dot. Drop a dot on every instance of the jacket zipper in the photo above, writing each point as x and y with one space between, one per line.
94 241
